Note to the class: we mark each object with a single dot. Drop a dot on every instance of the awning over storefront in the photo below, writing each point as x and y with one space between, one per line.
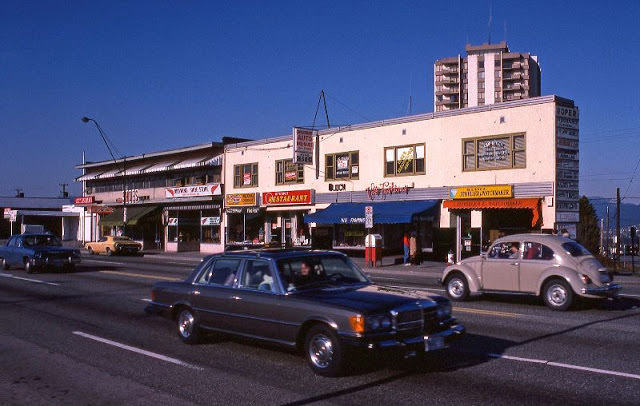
383 212
134 214
89 176
532 204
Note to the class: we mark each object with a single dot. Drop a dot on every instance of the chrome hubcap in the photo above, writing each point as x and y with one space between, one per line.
185 324
456 287
321 350
557 295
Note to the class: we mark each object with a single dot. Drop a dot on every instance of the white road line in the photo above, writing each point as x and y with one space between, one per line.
389 279
137 350
568 366
8 275
146 300
627 295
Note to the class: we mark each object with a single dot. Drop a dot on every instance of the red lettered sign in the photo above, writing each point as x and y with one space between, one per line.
83 200
287 198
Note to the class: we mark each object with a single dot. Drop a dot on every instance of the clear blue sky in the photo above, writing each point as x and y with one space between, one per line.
165 74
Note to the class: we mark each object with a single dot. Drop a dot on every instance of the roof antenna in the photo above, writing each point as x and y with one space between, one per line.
505 31
489 25
410 92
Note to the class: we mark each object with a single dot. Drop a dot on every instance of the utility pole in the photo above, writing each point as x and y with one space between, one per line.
64 189
617 226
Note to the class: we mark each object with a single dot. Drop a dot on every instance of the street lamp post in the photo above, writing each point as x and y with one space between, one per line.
115 161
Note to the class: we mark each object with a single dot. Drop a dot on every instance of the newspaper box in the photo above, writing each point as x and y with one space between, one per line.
373 249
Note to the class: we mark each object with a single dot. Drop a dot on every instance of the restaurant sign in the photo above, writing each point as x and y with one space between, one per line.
481 192
83 200
212 189
385 189
288 197
240 199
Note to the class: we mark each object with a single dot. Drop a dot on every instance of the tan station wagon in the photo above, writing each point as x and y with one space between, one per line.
554 267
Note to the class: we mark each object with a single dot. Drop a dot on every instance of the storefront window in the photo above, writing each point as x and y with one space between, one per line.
245 175
501 152
405 160
288 172
345 165
210 223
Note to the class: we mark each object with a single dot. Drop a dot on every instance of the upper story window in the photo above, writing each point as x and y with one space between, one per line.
245 175
343 165
497 152
288 172
404 160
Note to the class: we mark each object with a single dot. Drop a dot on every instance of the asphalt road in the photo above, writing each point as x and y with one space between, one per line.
84 339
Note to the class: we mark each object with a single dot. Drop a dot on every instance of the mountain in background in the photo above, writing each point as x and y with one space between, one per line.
629 213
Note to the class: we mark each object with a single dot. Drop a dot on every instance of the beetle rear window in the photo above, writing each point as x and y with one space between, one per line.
574 249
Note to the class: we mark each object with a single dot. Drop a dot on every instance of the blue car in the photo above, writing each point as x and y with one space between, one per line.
37 252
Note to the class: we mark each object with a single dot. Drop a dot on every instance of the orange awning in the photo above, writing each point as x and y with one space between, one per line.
532 204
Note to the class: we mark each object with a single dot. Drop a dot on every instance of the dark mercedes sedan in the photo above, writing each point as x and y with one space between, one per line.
316 301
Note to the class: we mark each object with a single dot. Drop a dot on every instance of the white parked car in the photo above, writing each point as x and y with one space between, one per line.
554 267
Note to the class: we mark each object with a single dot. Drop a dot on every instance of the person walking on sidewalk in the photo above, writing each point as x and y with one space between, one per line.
405 245
413 249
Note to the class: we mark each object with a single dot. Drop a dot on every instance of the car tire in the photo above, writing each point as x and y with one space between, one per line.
557 294
457 287
108 251
324 352
188 326
90 250
28 267
5 264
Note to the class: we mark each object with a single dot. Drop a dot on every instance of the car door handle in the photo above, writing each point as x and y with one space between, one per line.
514 264
234 297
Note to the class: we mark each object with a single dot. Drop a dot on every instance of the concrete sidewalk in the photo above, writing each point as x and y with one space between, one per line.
390 264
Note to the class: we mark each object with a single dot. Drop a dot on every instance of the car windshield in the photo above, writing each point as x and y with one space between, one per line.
316 271
121 239
41 240
574 249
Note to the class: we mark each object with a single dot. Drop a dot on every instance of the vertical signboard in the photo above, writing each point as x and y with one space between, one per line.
567 166
303 145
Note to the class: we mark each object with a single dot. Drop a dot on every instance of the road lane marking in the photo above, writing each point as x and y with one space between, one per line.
139 275
628 295
485 312
567 366
97 261
138 350
11 276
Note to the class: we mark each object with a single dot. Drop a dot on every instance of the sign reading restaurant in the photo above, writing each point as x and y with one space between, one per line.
481 192
240 199
288 197
83 200
212 189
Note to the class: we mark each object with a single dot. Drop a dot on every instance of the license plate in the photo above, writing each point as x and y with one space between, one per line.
434 343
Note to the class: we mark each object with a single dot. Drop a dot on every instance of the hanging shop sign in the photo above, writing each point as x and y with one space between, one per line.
210 221
240 199
384 189
302 145
481 192
101 210
83 200
212 189
172 221
288 197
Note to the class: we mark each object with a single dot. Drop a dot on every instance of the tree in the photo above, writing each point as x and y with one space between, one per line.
588 233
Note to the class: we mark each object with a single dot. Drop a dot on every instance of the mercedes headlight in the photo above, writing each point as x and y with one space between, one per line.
378 322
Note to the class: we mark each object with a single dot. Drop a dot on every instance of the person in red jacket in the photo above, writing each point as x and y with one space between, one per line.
405 245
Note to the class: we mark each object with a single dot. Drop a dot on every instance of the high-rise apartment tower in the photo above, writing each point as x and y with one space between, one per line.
489 74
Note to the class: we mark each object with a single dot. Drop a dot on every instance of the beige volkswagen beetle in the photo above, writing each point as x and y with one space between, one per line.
554 267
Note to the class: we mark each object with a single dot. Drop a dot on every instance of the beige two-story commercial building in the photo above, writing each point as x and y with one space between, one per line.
458 179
